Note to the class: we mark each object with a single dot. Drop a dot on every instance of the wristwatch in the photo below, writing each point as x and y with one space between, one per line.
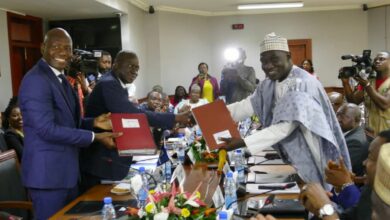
326 210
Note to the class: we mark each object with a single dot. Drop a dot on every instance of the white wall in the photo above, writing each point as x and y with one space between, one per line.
378 29
5 66
333 34
185 41
133 39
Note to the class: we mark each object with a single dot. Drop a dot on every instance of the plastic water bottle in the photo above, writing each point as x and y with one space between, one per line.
108 211
222 215
142 194
230 193
181 148
239 165
168 171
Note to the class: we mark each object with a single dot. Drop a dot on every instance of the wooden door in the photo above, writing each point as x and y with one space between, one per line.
25 37
300 50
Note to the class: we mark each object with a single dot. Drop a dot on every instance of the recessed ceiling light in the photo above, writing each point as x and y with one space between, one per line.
271 5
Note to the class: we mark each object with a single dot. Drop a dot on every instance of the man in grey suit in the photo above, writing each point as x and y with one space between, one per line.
237 81
349 117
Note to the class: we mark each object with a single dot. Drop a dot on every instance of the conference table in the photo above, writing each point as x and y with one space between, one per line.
193 175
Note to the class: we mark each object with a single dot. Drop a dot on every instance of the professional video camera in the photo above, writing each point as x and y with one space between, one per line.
363 66
85 62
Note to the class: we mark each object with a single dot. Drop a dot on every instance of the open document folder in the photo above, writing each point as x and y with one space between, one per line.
215 122
137 137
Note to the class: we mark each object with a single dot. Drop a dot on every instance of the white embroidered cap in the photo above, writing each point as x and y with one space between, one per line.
273 42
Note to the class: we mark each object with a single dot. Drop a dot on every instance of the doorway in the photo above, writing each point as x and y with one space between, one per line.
25 37
300 50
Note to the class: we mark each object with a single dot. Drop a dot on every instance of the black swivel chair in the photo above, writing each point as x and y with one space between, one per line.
13 195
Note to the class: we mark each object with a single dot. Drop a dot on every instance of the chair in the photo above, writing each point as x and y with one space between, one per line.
3 144
13 195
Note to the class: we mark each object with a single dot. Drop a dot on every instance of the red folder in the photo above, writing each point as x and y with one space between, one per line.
137 138
215 121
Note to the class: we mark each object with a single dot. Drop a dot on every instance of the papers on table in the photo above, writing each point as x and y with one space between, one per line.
253 188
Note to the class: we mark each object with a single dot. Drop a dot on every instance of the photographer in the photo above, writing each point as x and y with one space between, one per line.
237 80
374 92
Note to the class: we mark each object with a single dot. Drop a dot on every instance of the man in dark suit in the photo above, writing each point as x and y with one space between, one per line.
349 117
110 95
52 128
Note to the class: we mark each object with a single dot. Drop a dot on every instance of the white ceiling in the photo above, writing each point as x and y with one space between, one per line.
229 7
76 9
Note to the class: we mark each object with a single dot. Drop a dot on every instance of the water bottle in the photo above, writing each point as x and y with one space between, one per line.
239 165
181 148
222 215
168 171
108 211
142 194
230 193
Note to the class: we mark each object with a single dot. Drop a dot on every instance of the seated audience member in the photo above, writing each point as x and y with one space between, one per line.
208 84
348 193
166 104
13 123
349 117
193 101
157 88
381 195
153 103
180 94
316 200
337 99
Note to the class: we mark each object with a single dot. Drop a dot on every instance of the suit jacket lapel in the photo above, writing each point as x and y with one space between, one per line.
54 80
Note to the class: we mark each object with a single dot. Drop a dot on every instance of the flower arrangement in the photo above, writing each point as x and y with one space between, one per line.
199 150
174 205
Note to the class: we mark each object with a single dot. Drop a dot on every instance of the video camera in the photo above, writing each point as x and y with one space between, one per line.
363 66
85 62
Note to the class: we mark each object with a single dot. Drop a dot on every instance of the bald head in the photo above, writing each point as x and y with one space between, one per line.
349 116
126 66
337 99
57 48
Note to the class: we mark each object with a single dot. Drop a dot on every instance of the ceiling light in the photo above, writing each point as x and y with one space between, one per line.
271 5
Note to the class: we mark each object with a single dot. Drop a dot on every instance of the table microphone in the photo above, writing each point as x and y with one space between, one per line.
287 186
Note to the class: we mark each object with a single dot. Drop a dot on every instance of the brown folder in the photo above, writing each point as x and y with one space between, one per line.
137 138
215 121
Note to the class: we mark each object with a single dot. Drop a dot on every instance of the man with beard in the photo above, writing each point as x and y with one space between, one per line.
296 114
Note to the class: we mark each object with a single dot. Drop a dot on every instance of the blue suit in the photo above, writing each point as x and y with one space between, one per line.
51 123
98 162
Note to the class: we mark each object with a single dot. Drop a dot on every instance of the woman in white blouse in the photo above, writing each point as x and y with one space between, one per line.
193 101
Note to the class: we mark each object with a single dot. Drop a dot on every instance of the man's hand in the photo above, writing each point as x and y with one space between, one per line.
233 143
361 81
338 174
314 197
103 122
185 108
184 118
261 217
107 139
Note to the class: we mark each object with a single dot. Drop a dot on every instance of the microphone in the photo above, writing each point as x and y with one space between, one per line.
347 57
166 133
287 186
110 160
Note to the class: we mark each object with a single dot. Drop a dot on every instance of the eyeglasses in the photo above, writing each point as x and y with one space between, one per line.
134 67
